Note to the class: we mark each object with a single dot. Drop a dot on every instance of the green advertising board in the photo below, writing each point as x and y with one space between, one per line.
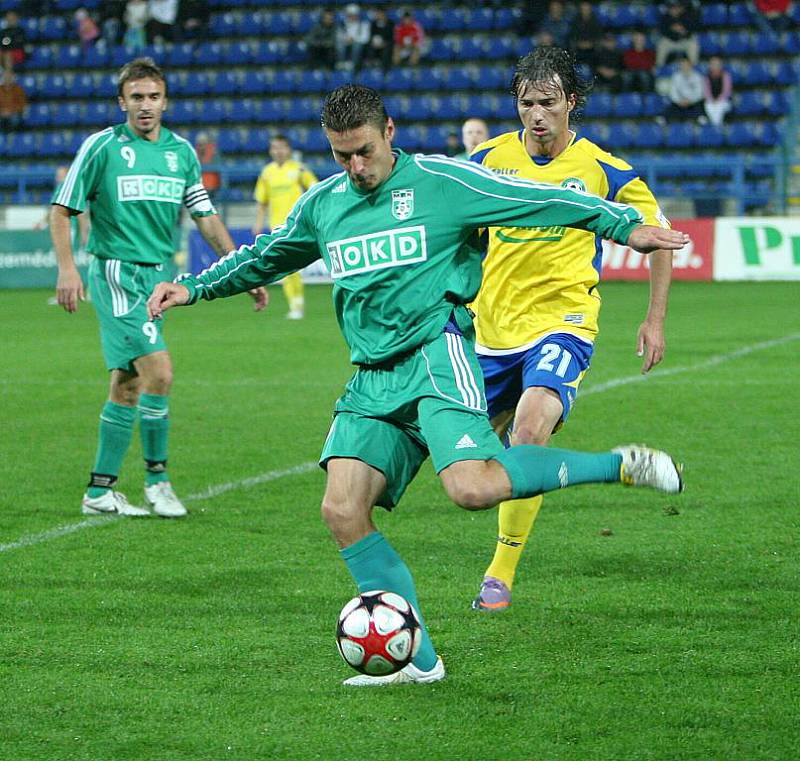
27 260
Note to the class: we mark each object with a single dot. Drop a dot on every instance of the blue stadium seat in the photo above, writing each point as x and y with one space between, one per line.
628 105
206 53
453 107
197 83
681 135
507 18
253 140
311 81
265 53
430 18
222 24
39 115
105 85
254 83
650 136
790 43
53 28
373 78
473 48
229 141
225 82
737 43
601 104
460 78
739 15
271 110
653 104
741 134
99 113
184 111
491 77
237 53
214 111
53 144
401 79
181 54
22 144
714 14
763 43
67 57
243 110
425 107
282 81
31 27
711 43
40 58
96 57
454 20
482 19
785 73
52 86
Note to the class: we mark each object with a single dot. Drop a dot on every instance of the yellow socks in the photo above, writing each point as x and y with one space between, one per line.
293 290
515 521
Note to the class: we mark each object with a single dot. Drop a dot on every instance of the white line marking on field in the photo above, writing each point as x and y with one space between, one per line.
209 493
717 359
307 467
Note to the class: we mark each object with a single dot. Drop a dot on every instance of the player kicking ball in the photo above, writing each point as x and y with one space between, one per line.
398 235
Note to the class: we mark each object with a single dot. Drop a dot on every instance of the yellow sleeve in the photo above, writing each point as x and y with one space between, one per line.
307 178
637 194
261 192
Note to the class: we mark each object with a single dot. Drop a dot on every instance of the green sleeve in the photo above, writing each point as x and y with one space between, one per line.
484 199
269 258
84 173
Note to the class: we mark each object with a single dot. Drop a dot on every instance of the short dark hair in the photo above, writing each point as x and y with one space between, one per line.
542 65
280 136
139 68
352 106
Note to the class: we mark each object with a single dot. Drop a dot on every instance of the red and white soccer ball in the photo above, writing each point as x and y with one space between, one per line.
378 633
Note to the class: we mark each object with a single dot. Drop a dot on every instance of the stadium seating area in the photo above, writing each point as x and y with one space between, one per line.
252 75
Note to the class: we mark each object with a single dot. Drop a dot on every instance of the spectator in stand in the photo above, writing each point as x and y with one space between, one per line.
207 154
352 37
136 15
453 146
776 13
161 22
381 39
679 21
87 28
608 65
638 61
193 18
12 102
12 43
717 91
321 41
686 93
111 15
409 39
558 23
474 131
585 34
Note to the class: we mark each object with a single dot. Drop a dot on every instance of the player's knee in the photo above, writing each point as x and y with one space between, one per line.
469 493
531 434
337 514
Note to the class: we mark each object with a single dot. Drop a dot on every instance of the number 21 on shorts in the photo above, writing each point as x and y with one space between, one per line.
552 354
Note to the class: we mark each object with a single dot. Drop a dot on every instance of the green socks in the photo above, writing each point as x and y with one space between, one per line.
535 470
374 564
114 438
154 429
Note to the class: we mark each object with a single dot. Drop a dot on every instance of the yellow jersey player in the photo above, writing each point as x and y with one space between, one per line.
279 185
537 309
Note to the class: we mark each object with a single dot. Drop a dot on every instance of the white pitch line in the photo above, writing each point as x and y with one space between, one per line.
717 359
212 491
307 467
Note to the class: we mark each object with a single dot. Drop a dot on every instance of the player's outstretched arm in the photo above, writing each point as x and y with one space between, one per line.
648 238
165 296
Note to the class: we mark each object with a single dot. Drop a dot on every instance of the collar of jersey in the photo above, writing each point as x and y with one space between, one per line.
131 135
545 160
401 158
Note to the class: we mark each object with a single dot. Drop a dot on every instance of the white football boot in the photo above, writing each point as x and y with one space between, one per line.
162 499
111 503
642 466
408 675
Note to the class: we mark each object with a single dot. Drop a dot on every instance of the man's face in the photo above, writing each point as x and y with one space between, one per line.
364 153
544 110
280 151
144 100
473 133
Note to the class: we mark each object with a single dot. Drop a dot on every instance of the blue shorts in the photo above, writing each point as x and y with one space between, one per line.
558 361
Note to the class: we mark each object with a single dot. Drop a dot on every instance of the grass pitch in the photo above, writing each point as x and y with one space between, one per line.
643 626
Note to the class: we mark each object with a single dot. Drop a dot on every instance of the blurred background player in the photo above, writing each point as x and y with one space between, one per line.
279 185
537 309
137 176
474 131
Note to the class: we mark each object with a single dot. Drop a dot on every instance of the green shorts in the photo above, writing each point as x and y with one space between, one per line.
428 402
119 293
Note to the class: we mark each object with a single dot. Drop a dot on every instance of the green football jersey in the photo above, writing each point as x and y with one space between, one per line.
403 255
135 189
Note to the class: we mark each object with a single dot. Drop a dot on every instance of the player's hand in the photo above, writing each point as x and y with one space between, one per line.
260 298
647 238
164 296
650 344
69 290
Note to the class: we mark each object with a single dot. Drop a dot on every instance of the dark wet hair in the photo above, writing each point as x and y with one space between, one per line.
352 106
541 67
281 137
139 68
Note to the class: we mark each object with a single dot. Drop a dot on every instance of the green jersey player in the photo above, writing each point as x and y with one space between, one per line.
135 177
398 235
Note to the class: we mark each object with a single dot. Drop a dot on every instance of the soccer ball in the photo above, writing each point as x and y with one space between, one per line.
378 633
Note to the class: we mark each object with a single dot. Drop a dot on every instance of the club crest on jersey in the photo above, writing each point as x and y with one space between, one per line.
402 204
574 183
172 160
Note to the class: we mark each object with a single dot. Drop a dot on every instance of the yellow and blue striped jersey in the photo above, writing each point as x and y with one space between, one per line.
281 186
543 280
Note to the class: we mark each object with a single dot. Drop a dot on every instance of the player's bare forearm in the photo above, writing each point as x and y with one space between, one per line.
650 339
69 286
215 234
648 238
165 296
